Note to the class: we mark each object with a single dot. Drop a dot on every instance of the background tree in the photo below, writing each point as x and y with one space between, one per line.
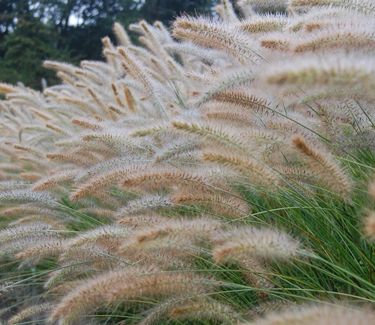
167 10
26 42
70 30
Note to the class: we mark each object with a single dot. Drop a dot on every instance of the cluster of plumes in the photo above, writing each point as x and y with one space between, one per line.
318 315
153 145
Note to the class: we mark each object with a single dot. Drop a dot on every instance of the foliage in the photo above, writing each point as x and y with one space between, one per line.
217 172
24 52
46 29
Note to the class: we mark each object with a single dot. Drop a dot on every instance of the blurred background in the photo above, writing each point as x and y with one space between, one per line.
70 30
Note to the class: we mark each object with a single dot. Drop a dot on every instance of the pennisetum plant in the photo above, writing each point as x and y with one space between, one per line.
160 184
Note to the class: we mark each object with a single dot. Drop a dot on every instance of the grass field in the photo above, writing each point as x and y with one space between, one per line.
221 173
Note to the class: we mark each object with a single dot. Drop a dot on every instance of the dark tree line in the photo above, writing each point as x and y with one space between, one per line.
70 30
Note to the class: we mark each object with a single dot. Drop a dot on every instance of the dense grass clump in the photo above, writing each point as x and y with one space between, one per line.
222 173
